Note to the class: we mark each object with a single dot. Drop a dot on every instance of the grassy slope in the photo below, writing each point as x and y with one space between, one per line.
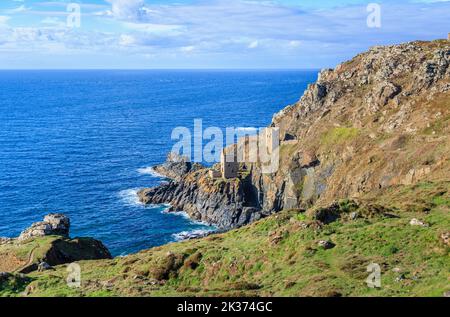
276 256
15 255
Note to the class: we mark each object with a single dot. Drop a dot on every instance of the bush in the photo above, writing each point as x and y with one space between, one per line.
193 261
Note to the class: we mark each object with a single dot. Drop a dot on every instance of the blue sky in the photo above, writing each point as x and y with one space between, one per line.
207 33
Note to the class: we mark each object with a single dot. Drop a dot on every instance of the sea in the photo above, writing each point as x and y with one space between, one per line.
83 142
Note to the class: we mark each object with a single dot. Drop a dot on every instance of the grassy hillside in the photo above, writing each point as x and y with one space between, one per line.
365 153
280 255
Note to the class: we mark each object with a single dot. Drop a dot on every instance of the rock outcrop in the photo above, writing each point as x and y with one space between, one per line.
376 121
48 242
176 166
53 224
61 251
224 203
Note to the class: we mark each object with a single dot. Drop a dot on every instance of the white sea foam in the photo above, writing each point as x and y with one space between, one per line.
166 208
184 215
149 171
177 213
186 235
130 197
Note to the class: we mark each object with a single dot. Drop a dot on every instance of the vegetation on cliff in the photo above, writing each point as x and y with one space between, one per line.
364 178
44 245
282 255
378 120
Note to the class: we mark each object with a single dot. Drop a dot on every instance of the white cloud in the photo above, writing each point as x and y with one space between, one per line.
53 21
128 9
253 44
187 49
230 30
295 43
4 19
19 9
126 40
151 28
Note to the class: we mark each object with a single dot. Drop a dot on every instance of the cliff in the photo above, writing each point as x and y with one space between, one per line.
224 203
322 252
376 121
363 180
46 244
379 120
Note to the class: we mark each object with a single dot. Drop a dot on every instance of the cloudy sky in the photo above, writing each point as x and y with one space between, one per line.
206 33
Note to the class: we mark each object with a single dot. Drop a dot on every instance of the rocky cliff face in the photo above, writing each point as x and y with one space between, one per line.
46 244
176 167
53 224
225 203
378 120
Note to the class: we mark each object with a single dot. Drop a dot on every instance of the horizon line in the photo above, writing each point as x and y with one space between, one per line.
160 69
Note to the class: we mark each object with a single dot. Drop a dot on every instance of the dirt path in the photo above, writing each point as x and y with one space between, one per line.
30 260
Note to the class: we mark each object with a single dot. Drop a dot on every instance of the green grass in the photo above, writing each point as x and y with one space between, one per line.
13 285
278 256
338 136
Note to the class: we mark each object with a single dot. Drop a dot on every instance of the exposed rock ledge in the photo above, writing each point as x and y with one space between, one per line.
376 121
46 244
53 224
176 167
224 203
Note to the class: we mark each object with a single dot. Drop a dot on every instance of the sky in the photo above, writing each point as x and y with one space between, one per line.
211 34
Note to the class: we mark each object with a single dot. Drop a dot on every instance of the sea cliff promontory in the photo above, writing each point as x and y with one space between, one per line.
363 184
46 244
376 121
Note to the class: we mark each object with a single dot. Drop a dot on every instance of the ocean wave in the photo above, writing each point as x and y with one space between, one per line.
188 235
166 208
130 197
177 213
184 215
149 171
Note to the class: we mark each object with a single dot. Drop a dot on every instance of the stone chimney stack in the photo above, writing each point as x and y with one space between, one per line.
448 36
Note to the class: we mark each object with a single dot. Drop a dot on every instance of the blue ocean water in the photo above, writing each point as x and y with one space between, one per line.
82 142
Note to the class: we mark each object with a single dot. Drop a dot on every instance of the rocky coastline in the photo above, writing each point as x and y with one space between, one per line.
47 244
223 203
363 180
353 132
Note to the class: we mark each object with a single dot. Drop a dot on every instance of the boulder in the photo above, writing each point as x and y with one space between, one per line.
44 266
417 222
309 159
445 238
56 250
4 276
53 225
325 244
176 167
5 240
60 224
325 215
